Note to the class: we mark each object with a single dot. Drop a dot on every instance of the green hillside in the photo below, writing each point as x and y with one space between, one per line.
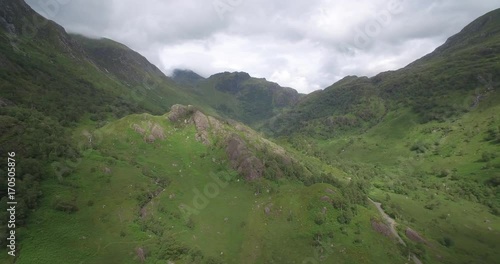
49 85
118 163
425 136
439 87
239 96
186 77
149 184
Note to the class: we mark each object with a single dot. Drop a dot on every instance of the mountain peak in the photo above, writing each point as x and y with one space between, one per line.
186 77
478 32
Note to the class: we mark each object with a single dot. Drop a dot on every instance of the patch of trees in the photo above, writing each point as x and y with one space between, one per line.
493 134
166 247
39 141
485 194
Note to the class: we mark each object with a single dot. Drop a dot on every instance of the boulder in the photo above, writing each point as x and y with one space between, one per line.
179 112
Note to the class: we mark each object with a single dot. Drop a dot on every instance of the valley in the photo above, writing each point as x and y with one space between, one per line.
118 163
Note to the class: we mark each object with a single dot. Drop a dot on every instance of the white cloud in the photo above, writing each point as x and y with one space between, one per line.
306 45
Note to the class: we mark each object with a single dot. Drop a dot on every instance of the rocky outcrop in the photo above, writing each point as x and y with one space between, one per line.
242 159
202 126
138 129
150 131
414 236
157 132
239 149
381 228
217 126
178 112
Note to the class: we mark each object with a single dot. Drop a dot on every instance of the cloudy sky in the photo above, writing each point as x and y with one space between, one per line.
306 45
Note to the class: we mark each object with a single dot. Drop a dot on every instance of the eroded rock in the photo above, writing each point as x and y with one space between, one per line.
202 126
157 131
242 159
179 112
414 236
381 228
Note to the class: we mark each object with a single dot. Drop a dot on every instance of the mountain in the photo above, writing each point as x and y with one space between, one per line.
440 86
239 96
162 188
186 77
427 136
76 69
52 82
123 164
117 184
476 34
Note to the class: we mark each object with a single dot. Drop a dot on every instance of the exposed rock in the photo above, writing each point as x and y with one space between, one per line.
138 129
8 27
216 125
381 228
328 190
240 127
178 112
151 132
150 139
242 159
326 199
157 131
201 121
240 156
414 236
141 254
143 212
267 209
106 170
202 126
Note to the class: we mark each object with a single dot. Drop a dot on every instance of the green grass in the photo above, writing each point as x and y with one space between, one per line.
436 164
466 223
115 174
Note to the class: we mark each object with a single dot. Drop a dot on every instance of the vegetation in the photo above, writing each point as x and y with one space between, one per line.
107 171
239 96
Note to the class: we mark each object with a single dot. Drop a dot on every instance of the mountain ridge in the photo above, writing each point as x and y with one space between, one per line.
426 81
115 161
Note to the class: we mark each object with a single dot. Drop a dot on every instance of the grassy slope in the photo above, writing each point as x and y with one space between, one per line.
414 134
232 228
448 176
145 82
107 228
241 97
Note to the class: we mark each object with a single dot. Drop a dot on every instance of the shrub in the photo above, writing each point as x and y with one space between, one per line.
488 156
447 242
190 223
319 219
494 181
444 173
419 147
64 206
